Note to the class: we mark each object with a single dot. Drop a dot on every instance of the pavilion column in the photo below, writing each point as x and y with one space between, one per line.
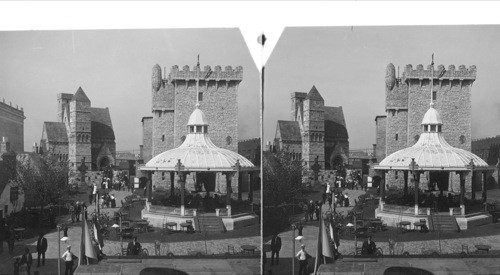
405 187
172 183
462 192
240 179
228 192
149 184
484 194
182 184
416 178
250 187
382 187
472 186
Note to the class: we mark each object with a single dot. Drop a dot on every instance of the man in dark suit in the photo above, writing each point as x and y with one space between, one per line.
275 248
134 247
41 248
369 247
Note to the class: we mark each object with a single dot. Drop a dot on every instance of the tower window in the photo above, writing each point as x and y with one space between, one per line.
433 128
200 96
229 140
159 114
162 137
396 137
434 95
439 128
462 139
162 175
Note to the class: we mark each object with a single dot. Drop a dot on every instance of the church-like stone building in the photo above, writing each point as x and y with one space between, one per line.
315 130
174 97
80 132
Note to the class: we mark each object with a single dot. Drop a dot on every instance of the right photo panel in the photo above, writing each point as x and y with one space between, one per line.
382 151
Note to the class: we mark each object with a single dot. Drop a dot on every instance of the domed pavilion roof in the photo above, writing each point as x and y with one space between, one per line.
198 153
432 152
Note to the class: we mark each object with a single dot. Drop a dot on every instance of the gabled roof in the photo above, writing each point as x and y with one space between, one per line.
314 94
101 125
289 130
334 130
56 131
335 114
81 96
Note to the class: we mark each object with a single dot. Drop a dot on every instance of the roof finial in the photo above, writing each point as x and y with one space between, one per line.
432 78
198 81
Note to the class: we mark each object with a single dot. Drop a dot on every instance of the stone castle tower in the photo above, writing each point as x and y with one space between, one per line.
174 97
408 98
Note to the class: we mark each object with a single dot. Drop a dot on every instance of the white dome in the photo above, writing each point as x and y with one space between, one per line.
198 153
432 116
431 152
197 117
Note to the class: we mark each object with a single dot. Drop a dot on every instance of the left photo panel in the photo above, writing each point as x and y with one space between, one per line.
129 152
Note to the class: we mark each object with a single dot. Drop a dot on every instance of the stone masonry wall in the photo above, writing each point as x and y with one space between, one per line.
380 134
12 125
80 127
219 104
147 138
397 124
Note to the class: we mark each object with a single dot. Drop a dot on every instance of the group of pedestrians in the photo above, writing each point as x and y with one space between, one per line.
311 209
76 210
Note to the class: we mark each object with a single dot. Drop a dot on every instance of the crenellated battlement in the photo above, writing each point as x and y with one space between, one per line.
462 73
228 74
9 106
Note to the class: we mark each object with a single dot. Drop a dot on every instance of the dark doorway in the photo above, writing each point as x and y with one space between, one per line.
438 181
205 179
103 163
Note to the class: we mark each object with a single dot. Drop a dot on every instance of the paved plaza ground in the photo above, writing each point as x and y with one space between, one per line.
414 242
178 243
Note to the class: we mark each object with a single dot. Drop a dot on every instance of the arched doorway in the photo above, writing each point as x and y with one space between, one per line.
103 163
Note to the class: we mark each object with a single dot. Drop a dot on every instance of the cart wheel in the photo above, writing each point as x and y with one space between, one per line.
199 254
406 254
170 255
463 254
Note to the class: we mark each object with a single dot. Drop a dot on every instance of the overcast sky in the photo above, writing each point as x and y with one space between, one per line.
114 68
347 66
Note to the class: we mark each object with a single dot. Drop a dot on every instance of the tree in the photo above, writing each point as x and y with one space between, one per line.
282 187
42 178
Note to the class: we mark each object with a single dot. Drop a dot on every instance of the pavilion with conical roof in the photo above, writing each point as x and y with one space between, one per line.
431 154
198 154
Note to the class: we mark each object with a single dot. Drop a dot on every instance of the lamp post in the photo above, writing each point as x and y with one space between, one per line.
294 226
59 226
120 232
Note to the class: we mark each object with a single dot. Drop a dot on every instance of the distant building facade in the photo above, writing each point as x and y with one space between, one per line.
315 130
12 125
174 97
11 200
80 132
407 99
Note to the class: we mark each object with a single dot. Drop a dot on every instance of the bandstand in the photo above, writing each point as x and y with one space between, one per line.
438 159
197 154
